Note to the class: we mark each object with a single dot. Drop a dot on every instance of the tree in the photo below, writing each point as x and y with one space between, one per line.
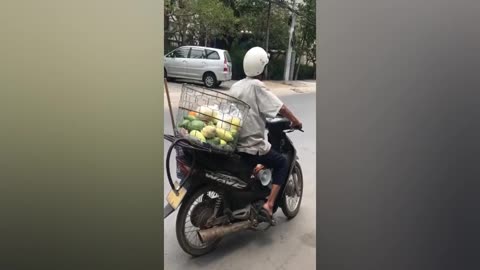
306 34
178 14
269 11
265 23
213 19
189 22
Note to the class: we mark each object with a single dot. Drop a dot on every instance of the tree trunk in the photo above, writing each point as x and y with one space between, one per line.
206 37
268 34
314 70
288 59
298 67
299 60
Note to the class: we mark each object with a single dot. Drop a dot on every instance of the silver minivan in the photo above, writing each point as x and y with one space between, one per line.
210 65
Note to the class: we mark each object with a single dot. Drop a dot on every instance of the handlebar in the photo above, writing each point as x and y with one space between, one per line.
293 129
283 118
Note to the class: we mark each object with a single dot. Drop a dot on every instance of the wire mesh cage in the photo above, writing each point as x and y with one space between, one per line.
209 118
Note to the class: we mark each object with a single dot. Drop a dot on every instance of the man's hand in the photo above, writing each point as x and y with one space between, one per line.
296 124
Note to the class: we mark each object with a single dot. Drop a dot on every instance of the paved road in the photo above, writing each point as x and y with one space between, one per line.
289 245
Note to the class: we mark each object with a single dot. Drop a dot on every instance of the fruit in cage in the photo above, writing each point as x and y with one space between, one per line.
192 113
198 135
214 141
236 121
189 117
209 132
196 125
222 142
184 123
183 131
227 118
224 135
217 115
223 125
205 113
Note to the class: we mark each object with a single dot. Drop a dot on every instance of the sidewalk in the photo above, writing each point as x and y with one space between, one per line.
282 88
279 88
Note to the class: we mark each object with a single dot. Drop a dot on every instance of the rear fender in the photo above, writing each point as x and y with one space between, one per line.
189 190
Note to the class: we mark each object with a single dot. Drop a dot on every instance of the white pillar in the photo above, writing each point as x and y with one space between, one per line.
288 60
292 65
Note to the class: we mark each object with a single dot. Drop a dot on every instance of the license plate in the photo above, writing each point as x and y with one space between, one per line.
173 199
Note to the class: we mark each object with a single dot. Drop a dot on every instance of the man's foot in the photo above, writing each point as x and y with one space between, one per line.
267 215
268 209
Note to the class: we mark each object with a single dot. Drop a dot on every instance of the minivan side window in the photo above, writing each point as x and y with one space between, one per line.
197 54
180 53
213 55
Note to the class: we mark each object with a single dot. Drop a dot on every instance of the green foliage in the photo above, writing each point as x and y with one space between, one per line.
306 31
237 52
306 72
278 29
276 68
213 19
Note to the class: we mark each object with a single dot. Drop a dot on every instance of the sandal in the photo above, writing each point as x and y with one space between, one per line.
269 218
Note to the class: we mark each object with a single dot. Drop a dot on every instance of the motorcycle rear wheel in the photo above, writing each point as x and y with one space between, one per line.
194 246
291 204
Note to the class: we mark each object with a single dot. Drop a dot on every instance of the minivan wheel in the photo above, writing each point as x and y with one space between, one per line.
218 84
209 80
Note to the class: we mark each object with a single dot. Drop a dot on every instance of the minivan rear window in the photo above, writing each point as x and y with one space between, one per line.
227 55
213 55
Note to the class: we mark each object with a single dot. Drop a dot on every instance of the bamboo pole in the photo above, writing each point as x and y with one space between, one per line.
169 105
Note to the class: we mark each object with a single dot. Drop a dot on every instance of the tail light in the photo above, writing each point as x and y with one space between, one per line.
225 65
182 169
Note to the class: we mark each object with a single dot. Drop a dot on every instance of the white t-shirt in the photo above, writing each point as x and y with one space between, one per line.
263 104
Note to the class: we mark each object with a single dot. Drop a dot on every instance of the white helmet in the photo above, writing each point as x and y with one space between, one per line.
255 61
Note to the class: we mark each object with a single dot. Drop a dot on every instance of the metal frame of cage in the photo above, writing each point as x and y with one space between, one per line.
192 98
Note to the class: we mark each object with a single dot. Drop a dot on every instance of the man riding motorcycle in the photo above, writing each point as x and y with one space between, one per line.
263 104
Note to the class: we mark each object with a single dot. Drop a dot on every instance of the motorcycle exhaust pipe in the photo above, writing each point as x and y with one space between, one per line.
217 232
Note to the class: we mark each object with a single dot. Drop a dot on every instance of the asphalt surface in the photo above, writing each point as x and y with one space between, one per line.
290 244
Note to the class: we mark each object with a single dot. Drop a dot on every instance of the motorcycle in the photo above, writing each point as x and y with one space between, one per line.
220 195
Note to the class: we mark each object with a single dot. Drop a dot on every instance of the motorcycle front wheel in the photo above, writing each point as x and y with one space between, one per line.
293 192
192 217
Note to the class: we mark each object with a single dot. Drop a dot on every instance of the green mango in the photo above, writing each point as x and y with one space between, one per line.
184 123
189 117
214 141
196 125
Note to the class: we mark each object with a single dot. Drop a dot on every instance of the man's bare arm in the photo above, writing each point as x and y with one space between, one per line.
284 111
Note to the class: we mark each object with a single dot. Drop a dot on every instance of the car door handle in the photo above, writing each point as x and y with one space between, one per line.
184 61
203 63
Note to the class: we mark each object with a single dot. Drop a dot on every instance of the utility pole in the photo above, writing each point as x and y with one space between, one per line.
288 60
